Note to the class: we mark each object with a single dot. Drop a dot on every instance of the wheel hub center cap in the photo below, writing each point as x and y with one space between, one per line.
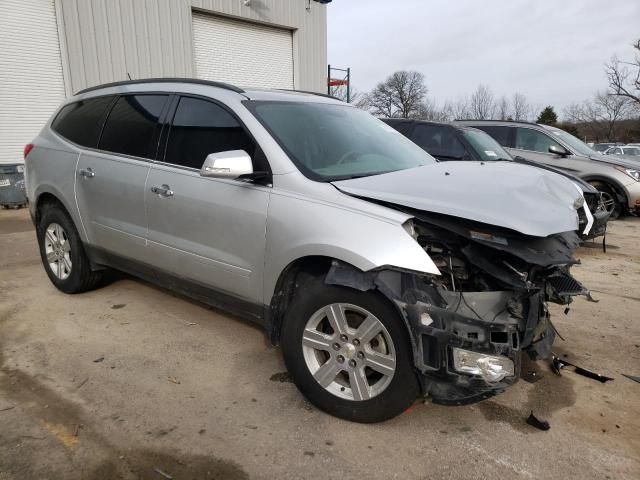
348 351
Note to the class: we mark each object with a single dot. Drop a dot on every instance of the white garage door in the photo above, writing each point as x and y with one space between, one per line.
242 53
31 82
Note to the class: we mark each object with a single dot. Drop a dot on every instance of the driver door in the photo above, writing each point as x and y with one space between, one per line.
534 145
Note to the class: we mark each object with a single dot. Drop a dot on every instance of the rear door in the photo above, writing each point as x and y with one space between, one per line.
110 180
206 230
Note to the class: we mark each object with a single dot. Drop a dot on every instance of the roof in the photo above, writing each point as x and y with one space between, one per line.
250 93
396 121
507 122
226 86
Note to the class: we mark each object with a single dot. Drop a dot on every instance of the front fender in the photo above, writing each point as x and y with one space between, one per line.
299 227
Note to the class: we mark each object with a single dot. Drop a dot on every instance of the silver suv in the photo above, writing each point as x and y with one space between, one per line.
617 179
383 274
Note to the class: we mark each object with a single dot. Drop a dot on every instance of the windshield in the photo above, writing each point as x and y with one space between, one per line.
334 142
635 151
485 146
577 145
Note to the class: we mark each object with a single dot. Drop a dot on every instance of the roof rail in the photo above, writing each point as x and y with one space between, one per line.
493 120
210 83
308 93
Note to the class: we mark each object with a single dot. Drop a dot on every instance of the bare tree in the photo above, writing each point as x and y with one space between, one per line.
401 95
457 109
482 104
430 111
611 109
521 109
624 76
503 109
356 97
601 115
584 114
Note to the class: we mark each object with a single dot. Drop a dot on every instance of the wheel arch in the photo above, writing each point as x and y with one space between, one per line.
51 195
47 197
292 276
617 187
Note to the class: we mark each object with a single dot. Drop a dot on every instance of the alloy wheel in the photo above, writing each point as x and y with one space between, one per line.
58 251
349 351
608 202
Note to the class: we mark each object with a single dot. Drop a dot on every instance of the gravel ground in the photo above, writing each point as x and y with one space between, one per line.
130 381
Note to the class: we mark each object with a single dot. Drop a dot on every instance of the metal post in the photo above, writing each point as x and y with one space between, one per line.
348 85
329 80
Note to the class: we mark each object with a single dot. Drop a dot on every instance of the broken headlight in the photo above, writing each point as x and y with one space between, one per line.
490 367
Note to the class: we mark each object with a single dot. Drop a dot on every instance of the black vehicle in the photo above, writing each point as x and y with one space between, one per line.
452 142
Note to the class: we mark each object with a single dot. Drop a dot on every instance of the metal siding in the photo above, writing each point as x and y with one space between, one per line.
31 79
146 38
242 53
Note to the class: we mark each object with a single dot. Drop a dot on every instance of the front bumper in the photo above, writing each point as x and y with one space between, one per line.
490 323
496 323
633 197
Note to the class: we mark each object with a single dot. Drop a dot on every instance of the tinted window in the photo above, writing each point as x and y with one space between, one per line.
201 127
131 125
534 141
499 134
441 142
635 151
404 127
81 122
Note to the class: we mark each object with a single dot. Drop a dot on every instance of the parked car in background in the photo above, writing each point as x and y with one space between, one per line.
617 179
453 142
383 274
624 151
602 147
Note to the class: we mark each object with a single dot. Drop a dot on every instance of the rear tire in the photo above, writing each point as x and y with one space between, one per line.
367 379
62 252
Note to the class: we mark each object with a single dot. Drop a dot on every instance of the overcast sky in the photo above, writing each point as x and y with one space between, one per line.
553 51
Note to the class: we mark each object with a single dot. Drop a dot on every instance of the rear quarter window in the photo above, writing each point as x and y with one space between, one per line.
81 122
131 125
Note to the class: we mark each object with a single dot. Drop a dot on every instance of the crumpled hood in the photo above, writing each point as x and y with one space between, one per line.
527 199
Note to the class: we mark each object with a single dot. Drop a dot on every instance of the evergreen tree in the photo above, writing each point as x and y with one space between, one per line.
548 116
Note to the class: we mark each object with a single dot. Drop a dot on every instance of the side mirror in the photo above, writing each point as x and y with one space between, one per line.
231 164
558 150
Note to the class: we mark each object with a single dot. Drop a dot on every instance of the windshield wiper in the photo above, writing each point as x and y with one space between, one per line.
449 157
358 175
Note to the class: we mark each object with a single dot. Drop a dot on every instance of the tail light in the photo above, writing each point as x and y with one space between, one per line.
27 149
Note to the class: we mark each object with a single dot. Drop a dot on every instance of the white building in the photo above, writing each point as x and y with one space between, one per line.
50 49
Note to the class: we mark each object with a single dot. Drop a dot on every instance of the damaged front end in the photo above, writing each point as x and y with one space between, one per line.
470 325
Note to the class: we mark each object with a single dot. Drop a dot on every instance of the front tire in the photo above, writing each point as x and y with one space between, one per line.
62 252
610 200
349 352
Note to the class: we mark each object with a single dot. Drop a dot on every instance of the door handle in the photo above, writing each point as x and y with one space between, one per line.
87 173
163 191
